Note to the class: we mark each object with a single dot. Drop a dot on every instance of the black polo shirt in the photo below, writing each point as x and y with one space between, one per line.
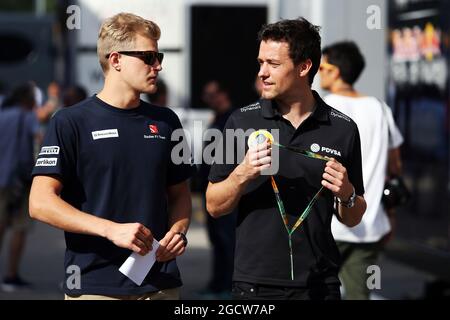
262 248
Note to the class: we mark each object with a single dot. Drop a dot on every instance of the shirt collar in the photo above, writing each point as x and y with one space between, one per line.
269 108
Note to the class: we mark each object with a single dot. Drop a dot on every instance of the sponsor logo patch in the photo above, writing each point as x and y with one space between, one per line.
251 107
331 151
315 147
153 129
339 115
49 150
103 134
154 133
46 162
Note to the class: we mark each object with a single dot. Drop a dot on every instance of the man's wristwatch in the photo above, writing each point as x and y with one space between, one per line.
350 202
184 238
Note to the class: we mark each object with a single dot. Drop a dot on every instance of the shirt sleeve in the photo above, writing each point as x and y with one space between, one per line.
58 154
178 172
395 136
221 169
354 166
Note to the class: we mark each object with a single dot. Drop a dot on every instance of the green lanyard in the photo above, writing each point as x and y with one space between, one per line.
305 153
260 136
308 208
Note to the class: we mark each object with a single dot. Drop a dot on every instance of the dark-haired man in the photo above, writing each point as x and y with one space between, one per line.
342 64
274 259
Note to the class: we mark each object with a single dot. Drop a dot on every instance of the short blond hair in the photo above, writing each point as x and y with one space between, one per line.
119 32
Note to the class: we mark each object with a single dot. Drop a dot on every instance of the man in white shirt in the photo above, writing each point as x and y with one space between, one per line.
342 64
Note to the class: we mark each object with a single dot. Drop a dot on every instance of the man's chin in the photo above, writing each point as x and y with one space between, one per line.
150 89
268 95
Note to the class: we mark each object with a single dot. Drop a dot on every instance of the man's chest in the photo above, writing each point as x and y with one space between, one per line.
123 142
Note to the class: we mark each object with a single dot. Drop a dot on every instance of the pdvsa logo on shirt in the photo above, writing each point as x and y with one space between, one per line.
46 162
154 133
49 150
316 148
104 134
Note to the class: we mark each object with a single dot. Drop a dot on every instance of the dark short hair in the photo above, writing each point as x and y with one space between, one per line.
302 37
74 94
22 95
348 58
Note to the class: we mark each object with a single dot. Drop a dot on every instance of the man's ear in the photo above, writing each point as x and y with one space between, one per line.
114 61
304 67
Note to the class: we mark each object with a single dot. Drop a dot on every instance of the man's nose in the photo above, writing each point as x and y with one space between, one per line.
263 71
157 66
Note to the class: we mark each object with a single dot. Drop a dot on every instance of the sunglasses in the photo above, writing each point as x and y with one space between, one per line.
149 57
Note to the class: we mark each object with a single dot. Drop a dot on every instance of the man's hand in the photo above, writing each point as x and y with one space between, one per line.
257 159
170 247
133 236
336 179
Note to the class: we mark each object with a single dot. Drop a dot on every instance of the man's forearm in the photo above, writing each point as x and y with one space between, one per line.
223 197
352 216
180 213
394 162
51 209
180 207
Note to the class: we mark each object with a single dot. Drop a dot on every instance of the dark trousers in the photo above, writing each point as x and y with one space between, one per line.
253 291
221 232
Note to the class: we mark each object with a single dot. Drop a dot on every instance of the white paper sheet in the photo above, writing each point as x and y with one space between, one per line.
136 267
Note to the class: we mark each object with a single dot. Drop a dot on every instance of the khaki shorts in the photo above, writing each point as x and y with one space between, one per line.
167 294
17 216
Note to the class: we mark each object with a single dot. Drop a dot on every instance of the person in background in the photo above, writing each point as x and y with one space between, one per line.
360 246
73 95
161 96
221 231
45 111
19 130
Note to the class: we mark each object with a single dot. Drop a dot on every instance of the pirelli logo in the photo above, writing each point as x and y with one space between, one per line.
46 162
49 150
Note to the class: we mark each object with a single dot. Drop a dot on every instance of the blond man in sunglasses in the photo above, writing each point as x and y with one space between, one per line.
104 174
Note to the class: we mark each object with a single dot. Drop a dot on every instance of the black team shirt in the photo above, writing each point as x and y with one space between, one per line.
262 247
